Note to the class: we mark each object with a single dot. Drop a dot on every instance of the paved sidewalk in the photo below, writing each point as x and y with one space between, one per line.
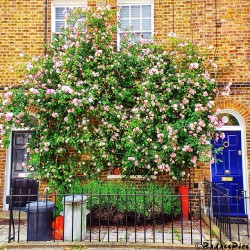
179 237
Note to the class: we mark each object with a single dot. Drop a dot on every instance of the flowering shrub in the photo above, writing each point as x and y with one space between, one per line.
147 108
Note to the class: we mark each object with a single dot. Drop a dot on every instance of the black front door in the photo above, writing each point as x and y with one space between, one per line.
20 184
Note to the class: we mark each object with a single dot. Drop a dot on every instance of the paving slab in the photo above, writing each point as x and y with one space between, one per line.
181 237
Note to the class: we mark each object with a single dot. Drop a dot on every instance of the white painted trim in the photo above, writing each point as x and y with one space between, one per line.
69 3
242 128
119 2
64 3
114 177
7 177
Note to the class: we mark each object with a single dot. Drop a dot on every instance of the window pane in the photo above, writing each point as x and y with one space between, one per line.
135 37
146 10
60 13
228 119
136 24
146 35
122 36
59 25
146 24
137 18
80 23
124 13
135 11
125 25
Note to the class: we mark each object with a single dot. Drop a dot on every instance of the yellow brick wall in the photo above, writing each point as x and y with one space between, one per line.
22 29
224 23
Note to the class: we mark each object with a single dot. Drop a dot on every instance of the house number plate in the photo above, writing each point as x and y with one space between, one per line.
227 178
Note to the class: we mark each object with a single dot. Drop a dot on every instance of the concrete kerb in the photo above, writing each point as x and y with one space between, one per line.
91 245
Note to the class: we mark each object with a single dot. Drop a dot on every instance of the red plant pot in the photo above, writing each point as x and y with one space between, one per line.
116 171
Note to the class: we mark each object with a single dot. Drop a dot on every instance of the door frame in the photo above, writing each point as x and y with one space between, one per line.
8 168
242 129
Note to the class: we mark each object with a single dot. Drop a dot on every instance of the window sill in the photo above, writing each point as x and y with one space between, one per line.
114 177
132 177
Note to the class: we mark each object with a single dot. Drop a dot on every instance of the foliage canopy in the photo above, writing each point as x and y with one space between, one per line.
146 108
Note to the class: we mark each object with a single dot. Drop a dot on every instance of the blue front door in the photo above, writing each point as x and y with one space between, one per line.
227 170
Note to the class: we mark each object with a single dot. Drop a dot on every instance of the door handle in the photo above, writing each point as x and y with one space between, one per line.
227 171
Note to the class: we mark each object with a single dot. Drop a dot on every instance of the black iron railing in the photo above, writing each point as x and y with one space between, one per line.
218 207
140 217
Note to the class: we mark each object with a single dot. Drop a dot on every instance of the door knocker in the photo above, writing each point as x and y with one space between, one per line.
225 144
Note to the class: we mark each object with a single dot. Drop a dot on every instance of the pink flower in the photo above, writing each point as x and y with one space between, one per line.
175 106
8 94
194 159
8 116
34 91
50 91
66 119
90 99
131 158
29 66
187 148
173 155
172 34
222 135
79 83
55 115
67 89
191 91
76 101
193 66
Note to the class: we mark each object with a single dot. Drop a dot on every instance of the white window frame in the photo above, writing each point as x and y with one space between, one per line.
63 3
135 2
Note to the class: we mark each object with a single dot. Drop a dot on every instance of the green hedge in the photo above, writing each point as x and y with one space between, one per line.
127 197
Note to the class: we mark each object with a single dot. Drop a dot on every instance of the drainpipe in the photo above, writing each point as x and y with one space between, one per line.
45 25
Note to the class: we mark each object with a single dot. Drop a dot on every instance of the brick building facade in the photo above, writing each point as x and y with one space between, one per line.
26 26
